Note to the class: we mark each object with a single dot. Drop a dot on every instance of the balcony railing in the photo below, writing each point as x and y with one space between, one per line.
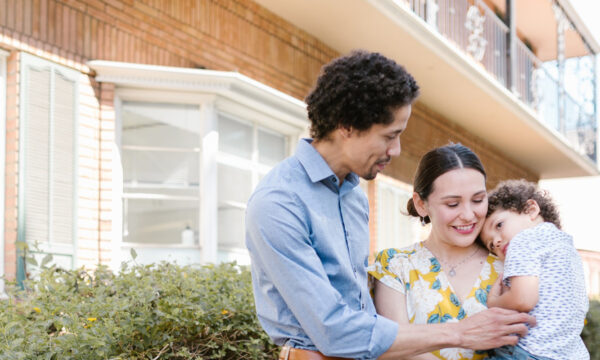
474 28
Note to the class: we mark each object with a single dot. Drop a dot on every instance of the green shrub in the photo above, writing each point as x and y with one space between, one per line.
591 330
159 311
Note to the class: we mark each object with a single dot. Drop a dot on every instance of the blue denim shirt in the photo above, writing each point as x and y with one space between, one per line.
308 239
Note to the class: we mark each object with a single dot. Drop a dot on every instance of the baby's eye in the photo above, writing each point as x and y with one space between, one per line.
499 225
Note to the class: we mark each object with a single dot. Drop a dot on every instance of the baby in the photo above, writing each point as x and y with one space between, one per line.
543 273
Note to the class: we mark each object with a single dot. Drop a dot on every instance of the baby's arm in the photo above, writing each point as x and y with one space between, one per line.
522 295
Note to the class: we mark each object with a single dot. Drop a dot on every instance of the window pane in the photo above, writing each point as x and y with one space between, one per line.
271 148
231 227
160 125
235 137
152 221
234 184
161 167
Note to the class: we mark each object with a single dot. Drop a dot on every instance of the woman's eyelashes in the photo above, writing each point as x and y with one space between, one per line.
455 204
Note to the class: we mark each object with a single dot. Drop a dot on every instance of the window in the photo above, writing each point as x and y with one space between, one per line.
160 156
394 227
193 146
47 205
246 153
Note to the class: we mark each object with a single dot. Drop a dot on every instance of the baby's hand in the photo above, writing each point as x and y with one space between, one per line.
495 292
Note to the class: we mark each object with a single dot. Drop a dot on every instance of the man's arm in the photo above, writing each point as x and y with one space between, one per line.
488 329
522 295
392 304
281 249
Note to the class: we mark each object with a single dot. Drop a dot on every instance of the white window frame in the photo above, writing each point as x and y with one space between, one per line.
49 247
3 57
215 92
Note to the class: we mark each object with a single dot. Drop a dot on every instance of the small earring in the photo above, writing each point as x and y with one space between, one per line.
423 223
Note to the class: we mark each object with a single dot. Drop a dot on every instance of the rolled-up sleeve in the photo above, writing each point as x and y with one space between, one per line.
279 240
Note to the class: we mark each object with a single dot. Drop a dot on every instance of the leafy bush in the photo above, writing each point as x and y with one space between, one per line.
159 311
591 330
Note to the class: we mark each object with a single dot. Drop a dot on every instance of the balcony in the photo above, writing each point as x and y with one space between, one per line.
479 32
543 115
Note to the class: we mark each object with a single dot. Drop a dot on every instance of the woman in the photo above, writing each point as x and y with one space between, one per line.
446 277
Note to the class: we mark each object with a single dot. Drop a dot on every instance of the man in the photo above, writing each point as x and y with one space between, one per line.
307 228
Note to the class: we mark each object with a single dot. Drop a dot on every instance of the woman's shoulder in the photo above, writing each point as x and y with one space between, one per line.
386 255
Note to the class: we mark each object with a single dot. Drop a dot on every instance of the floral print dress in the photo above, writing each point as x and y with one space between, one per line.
415 272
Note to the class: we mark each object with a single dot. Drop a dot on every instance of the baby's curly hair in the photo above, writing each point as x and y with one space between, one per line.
357 91
513 195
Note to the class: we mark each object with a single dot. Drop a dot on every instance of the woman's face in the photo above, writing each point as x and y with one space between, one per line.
457 207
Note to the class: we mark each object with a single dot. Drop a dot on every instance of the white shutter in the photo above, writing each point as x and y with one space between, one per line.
47 157
37 156
62 178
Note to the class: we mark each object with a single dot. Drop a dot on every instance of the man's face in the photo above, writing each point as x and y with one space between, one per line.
369 151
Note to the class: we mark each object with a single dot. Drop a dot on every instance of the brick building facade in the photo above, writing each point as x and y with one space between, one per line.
235 36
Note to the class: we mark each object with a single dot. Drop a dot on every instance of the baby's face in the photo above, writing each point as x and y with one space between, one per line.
499 229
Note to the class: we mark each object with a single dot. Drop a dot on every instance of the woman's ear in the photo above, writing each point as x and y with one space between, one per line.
420 205
532 209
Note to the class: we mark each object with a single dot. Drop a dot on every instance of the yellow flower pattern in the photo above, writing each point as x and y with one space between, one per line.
415 272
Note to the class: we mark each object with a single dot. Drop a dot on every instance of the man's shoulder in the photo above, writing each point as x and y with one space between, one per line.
283 181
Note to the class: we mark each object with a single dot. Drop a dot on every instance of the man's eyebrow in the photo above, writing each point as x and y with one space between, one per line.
396 132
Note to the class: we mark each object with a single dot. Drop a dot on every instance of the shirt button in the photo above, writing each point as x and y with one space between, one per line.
362 306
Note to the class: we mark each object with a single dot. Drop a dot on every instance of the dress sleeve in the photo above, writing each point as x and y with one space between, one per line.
387 269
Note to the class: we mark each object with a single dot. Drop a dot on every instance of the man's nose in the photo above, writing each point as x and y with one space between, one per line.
395 148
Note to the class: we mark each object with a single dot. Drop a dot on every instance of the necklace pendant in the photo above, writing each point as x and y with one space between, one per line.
452 272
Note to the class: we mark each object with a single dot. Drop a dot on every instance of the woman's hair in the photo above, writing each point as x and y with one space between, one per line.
357 91
437 162
513 195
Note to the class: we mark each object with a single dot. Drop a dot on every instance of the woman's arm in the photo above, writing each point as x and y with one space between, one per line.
391 304
522 295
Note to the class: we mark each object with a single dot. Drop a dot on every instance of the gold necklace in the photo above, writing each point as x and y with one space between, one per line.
452 271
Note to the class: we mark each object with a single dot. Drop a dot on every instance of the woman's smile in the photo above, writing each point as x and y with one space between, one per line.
465 229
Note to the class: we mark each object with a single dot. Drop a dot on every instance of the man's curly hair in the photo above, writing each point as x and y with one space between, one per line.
357 91
513 195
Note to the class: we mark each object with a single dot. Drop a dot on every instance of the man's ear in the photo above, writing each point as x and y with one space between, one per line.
532 209
420 205
346 132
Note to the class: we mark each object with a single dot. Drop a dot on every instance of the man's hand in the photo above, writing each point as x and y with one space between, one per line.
493 328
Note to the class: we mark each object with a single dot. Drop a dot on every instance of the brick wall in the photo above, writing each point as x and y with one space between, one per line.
427 129
232 35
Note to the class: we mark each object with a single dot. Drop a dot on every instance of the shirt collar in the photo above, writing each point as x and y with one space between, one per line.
316 167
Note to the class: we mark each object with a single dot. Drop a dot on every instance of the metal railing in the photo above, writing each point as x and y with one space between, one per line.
474 28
